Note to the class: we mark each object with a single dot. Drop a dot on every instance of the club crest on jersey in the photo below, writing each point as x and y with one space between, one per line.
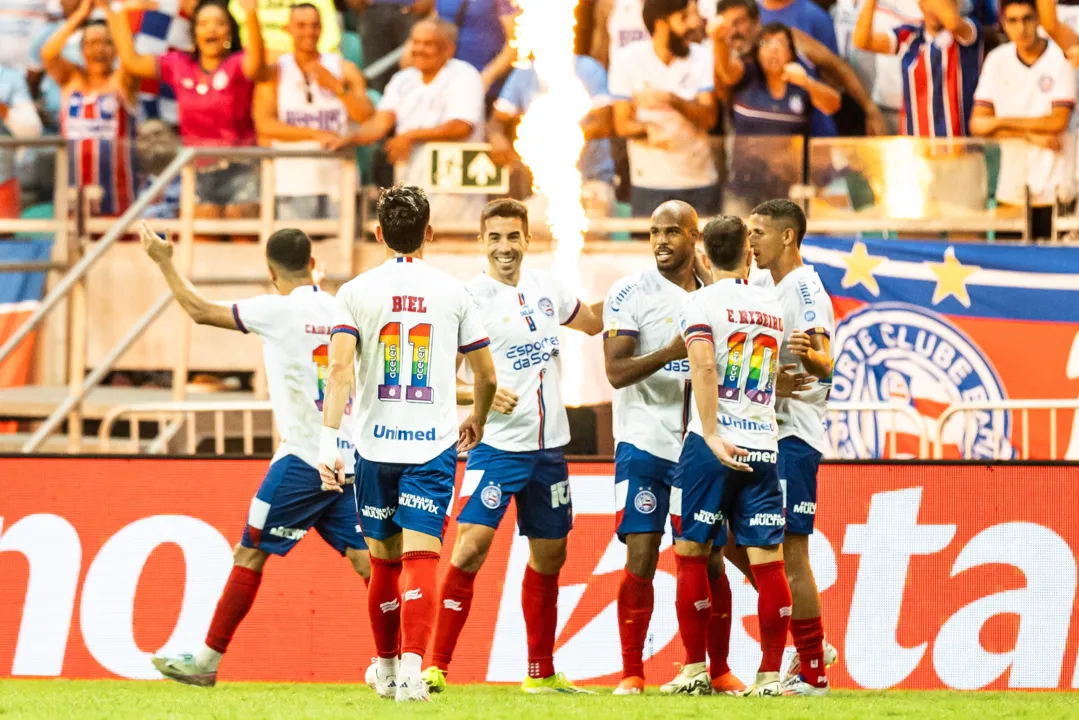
645 502
491 496
895 352
546 306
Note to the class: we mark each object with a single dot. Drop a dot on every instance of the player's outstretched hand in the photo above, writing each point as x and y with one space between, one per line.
728 453
470 435
505 401
799 344
790 384
333 480
157 247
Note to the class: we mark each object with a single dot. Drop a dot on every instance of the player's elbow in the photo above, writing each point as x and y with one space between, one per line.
616 380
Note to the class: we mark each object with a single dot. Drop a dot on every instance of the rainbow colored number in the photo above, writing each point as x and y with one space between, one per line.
321 357
759 383
419 337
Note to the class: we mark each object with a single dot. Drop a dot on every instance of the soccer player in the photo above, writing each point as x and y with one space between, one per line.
295 329
521 456
727 468
406 322
776 229
646 365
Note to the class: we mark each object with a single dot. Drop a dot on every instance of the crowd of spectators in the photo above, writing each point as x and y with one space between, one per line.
128 82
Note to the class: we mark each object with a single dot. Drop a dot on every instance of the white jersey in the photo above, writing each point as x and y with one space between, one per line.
806 307
625 25
524 323
745 324
652 415
295 332
302 102
410 321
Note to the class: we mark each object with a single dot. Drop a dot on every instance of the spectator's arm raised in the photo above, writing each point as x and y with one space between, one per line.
601 40
502 62
728 66
838 71
133 63
865 39
59 69
947 11
254 64
1062 35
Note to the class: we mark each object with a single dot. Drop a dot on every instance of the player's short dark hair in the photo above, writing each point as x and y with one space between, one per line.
785 212
655 10
305 6
1006 3
725 242
749 6
504 208
403 214
290 250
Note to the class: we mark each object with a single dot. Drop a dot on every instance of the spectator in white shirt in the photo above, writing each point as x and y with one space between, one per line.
309 101
437 99
1026 91
664 106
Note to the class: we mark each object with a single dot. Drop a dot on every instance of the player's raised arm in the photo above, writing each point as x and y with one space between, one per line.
197 307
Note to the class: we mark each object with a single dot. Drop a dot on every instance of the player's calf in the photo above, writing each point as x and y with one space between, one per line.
636 600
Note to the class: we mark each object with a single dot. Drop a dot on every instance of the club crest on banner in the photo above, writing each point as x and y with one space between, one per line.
896 352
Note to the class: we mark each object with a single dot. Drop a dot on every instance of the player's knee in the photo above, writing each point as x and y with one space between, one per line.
547 556
716 566
470 552
642 554
249 558
361 562
688 548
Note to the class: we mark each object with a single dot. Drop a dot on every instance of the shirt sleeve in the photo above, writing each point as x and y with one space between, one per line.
465 101
984 94
257 314
594 79
977 34
512 101
901 35
619 80
703 69
167 65
814 312
343 320
1063 94
471 335
391 97
568 305
693 323
620 312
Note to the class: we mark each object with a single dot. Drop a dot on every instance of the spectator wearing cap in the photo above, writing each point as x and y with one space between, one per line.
664 105
939 61
437 99
596 164
96 111
308 102
1026 91
214 86
384 26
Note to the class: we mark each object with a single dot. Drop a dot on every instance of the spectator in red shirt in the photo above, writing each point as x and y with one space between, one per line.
214 87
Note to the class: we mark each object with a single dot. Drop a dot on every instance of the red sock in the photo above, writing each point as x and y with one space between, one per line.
719 627
236 600
384 606
420 594
809 641
456 601
539 601
773 612
636 597
692 605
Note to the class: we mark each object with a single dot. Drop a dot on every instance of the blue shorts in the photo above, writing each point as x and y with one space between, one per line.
290 502
798 463
642 491
393 496
537 480
706 494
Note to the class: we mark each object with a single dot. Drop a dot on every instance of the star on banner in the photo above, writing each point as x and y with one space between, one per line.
952 278
860 265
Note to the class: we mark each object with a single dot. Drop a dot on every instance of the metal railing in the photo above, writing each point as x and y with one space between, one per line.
1023 406
174 414
891 409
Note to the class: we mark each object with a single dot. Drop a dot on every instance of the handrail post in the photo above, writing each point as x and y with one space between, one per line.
55 333
77 331
186 262
347 217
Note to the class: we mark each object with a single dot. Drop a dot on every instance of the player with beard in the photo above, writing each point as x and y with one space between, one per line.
664 107
521 454
776 229
647 367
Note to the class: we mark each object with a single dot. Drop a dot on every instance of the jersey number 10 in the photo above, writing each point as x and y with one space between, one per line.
419 390
759 383
321 357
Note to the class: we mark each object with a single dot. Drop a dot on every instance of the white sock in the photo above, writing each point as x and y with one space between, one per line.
387 667
208 659
410 664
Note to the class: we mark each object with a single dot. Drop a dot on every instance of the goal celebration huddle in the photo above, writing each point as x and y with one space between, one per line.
718 353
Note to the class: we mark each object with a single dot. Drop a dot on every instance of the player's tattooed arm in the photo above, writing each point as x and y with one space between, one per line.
624 367
197 307
814 352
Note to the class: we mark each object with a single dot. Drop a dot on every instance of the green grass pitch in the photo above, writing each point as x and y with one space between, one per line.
82 700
